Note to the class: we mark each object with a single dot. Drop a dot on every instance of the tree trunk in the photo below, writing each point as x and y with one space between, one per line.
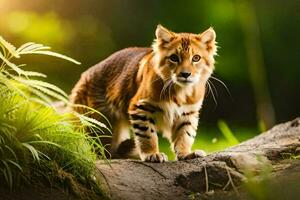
215 174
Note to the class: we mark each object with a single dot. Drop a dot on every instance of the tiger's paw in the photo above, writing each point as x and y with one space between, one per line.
156 158
195 154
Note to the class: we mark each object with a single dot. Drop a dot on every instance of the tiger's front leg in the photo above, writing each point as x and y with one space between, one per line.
184 134
141 118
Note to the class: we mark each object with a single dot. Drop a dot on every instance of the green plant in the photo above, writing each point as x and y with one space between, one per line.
10 71
35 140
227 133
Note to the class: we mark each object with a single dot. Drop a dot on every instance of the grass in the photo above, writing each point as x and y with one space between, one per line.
37 144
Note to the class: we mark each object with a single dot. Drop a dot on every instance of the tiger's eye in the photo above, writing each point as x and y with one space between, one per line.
174 58
196 58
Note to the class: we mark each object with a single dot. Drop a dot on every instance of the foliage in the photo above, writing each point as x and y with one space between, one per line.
84 31
35 140
39 89
227 133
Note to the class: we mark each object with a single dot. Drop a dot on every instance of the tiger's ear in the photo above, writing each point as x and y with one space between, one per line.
208 41
208 36
164 34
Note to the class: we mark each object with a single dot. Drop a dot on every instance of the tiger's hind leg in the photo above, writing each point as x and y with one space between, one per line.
122 146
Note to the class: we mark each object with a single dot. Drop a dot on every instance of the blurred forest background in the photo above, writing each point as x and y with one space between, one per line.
258 59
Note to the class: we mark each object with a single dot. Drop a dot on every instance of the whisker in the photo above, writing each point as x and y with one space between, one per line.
213 86
170 87
207 88
212 94
222 83
164 88
166 84
156 80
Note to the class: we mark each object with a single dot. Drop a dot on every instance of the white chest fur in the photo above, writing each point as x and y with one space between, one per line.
171 114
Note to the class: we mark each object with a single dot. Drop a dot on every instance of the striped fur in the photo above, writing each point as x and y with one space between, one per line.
145 90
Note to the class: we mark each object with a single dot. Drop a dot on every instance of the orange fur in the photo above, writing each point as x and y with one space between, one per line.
155 89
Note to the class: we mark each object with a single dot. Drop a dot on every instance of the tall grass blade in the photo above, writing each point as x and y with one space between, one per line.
227 133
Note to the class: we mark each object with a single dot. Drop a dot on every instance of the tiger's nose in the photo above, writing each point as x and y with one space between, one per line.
184 74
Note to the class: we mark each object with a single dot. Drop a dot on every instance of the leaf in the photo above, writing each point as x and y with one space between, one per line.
93 111
46 88
12 152
8 174
12 65
43 142
12 85
42 98
92 121
50 53
33 151
4 51
43 84
51 93
11 49
25 46
31 46
36 74
41 153
16 165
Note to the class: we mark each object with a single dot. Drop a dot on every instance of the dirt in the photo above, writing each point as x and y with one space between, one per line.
35 193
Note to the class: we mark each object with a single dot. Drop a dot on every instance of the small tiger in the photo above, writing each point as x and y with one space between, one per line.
151 90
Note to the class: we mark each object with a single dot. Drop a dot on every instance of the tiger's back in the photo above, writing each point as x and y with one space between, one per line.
109 85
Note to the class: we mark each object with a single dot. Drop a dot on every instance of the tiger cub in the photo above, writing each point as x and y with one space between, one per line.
151 90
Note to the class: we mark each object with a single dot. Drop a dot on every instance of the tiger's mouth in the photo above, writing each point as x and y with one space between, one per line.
184 81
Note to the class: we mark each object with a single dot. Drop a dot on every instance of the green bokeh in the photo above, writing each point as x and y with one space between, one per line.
91 30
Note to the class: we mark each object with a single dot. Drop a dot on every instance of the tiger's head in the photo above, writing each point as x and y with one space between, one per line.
184 58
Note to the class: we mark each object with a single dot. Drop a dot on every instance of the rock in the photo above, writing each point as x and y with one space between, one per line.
225 170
